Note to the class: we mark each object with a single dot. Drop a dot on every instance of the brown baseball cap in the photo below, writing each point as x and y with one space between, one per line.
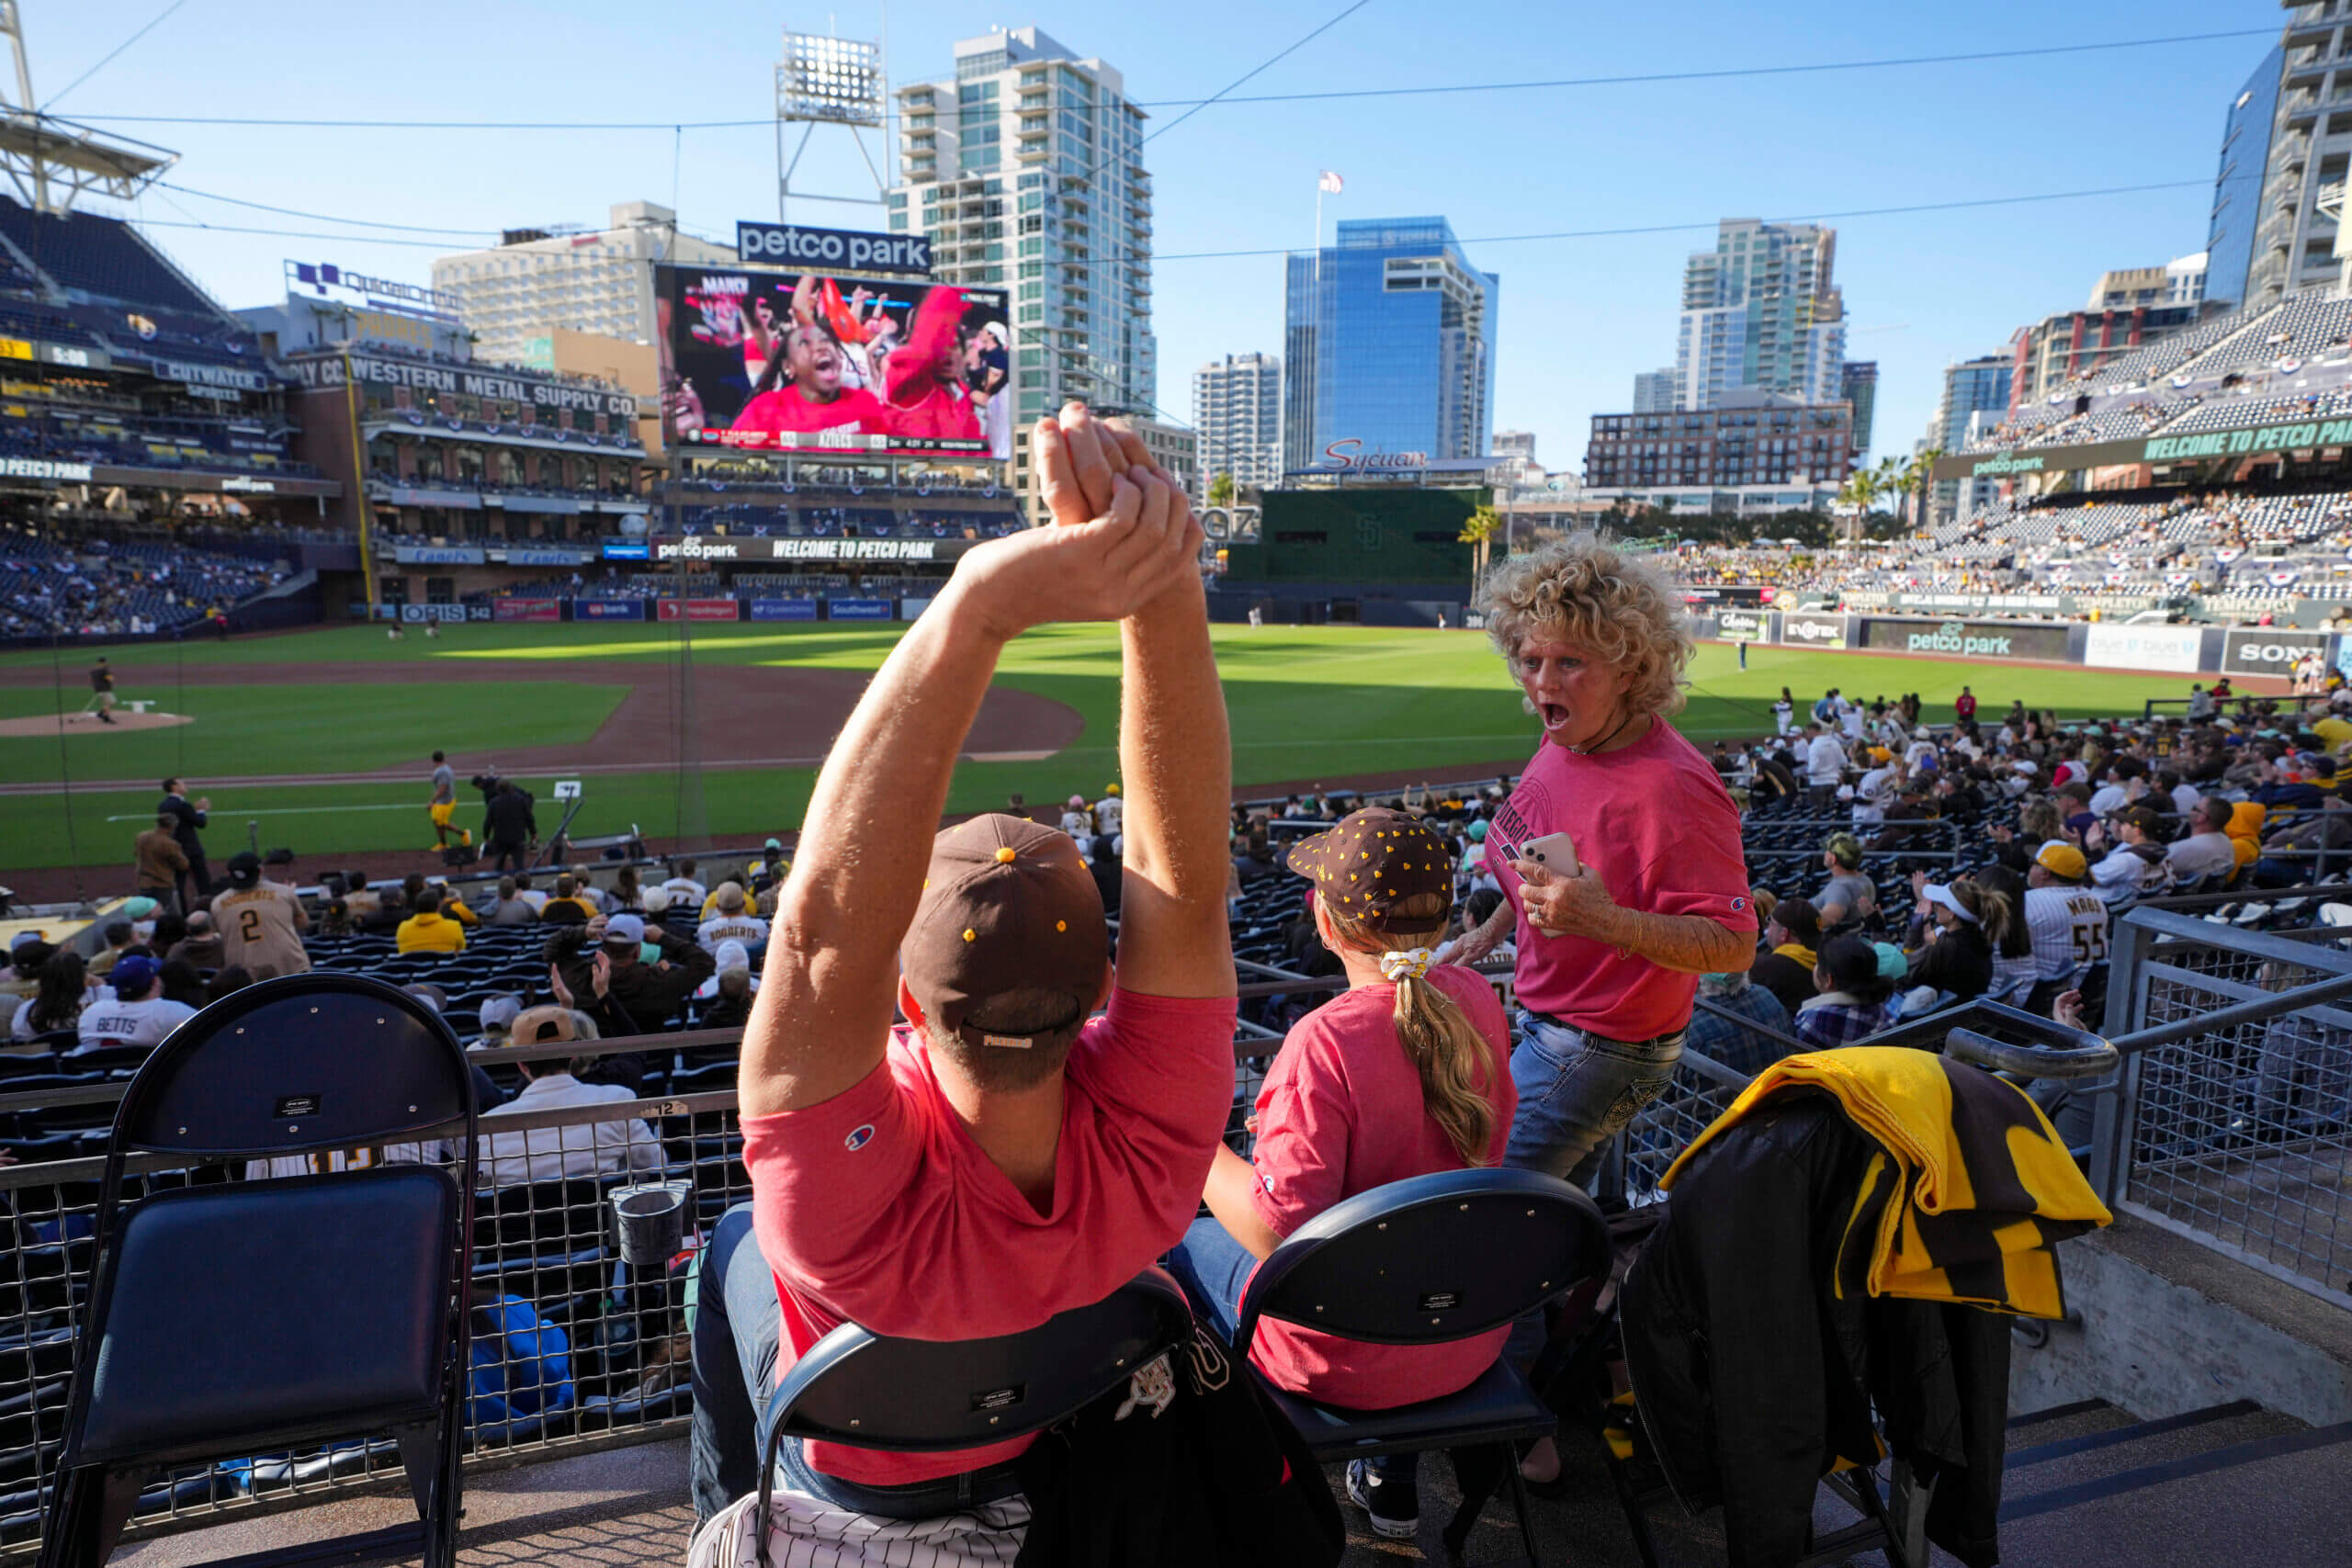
1009 904
1373 860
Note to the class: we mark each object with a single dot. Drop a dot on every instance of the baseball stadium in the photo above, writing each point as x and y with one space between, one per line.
680 901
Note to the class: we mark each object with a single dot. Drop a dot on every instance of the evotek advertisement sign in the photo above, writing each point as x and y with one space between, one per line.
832 250
1808 628
1743 625
1966 639
2269 650
2248 441
2115 645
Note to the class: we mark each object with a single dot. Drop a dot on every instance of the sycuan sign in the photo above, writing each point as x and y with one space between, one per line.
2253 441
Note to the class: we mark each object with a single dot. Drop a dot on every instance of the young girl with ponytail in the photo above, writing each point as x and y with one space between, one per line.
1403 1074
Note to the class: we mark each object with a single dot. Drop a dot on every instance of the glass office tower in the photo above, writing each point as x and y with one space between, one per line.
1389 343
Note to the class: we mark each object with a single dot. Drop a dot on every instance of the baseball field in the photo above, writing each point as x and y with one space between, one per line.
319 740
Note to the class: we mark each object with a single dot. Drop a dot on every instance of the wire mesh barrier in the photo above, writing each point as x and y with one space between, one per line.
575 1346
2232 1121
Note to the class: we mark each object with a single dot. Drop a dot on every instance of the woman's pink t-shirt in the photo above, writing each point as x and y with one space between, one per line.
1341 1112
877 1207
1654 820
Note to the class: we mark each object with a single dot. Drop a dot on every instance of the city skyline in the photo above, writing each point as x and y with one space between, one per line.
1587 313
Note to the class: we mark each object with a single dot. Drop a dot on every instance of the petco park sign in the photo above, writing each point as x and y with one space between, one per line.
2247 441
843 250
700 548
1967 639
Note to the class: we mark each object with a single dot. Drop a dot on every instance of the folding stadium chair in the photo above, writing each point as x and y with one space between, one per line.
859 1390
239 1319
1420 1262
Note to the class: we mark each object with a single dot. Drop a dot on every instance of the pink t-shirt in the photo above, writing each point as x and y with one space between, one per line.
1341 1112
1654 821
878 1208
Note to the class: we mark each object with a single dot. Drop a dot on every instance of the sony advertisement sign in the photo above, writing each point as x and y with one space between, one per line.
1967 639
1812 629
833 249
2269 650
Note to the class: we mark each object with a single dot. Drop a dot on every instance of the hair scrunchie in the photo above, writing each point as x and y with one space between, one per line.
1409 965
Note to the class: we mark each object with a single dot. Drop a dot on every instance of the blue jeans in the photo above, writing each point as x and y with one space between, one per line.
738 1327
1213 1268
1575 1092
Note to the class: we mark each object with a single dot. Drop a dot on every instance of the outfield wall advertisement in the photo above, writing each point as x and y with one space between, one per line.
2115 645
2269 650
858 610
1966 639
698 610
608 609
783 609
1808 628
1744 626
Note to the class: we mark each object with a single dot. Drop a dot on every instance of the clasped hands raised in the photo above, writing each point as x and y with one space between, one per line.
1125 533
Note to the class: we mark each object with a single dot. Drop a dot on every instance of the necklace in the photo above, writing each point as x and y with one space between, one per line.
1589 751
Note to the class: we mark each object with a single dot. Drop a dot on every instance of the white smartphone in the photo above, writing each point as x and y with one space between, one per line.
1553 852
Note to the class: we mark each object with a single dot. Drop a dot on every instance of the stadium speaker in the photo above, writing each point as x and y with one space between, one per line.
460 854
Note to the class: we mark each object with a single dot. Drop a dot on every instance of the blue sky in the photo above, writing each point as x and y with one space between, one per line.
1578 318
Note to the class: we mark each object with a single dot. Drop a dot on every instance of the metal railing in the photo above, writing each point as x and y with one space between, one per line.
2230 1121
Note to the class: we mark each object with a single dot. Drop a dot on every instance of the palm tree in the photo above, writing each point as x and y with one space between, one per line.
1917 475
1484 526
1221 491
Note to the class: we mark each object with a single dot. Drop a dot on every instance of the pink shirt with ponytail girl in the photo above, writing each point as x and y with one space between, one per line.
1404 1074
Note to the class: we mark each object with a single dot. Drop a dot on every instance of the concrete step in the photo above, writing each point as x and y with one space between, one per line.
2271 1501
2063 1463
2061 1422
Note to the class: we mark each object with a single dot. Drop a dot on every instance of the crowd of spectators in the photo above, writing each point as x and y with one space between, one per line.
100 588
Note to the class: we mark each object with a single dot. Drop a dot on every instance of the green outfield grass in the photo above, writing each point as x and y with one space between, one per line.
1308 704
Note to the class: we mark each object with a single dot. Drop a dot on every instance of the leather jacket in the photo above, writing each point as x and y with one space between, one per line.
1751 1377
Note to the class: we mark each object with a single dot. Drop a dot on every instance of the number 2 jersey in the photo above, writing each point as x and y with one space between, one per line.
261 927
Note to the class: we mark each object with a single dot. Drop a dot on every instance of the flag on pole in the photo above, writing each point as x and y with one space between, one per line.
1330 182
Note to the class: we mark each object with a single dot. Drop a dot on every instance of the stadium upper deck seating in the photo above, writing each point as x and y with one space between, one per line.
98 256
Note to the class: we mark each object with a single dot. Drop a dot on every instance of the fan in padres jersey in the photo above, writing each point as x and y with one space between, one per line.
261 923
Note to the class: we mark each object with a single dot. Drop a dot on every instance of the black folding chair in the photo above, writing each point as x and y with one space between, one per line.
1421 1262
233 1319
864 1391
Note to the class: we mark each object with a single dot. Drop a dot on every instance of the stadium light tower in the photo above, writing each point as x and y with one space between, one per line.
51 160
825 81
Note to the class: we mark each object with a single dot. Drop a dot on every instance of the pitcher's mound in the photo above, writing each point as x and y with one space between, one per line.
49 728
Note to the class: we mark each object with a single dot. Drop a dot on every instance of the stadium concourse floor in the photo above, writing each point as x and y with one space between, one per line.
628 1507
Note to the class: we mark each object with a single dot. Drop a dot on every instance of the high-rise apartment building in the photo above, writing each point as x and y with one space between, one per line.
1654 391
1388 342
1761 312
1857 384
1238 410
2180 281
2286 150
1026 171
1972 387
2240 183
515 298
